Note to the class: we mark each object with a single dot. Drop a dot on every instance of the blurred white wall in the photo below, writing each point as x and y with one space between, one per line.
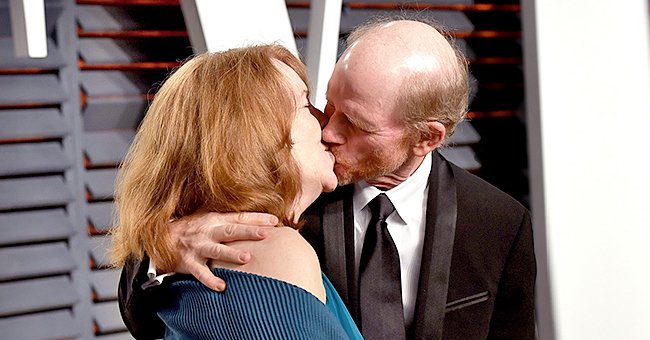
28 28
588 83
221 25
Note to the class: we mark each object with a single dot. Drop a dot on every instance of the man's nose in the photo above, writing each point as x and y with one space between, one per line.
332 131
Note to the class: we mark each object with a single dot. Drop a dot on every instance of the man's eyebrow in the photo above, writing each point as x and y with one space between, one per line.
354 121
359 123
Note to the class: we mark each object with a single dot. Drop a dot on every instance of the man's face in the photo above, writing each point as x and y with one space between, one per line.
364 131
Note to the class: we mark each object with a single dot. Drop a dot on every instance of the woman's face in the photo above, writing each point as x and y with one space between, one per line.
315 161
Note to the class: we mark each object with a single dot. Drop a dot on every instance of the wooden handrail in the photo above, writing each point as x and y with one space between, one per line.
144 96
28 106
129 2
94 232
496 61
29 139
354 5
500 85
88 165
28 70
421 7
485 34
147 65
491 114
133 34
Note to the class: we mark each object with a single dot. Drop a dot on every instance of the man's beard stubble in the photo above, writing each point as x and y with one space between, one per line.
377 164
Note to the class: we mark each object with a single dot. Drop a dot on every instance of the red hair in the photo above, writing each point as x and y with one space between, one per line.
217 137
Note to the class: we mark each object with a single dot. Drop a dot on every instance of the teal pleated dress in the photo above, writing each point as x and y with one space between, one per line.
254 307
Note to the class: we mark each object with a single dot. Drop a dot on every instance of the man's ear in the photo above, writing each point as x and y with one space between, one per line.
428 143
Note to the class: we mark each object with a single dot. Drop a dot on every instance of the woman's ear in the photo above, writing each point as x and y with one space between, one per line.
428 143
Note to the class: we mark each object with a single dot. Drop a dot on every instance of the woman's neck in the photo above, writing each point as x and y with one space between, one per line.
303 202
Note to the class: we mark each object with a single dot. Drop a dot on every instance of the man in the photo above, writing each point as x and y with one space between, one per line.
461 250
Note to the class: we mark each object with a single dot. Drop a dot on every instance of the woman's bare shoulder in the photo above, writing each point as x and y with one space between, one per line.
285 255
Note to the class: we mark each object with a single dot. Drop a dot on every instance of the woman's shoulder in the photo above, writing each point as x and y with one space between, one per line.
288 241
284 255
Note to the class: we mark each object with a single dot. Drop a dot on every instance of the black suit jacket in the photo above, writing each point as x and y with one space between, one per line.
478 270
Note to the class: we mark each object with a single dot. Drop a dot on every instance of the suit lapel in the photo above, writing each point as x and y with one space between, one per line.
436 252
338 244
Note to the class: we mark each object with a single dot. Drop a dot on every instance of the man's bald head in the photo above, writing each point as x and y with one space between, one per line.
412 62
402 45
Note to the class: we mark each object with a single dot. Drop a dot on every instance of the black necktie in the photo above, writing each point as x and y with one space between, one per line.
380 288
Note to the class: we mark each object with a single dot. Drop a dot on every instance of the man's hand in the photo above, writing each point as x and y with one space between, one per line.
200 237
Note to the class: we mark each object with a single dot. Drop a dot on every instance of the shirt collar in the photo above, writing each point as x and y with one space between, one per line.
401 196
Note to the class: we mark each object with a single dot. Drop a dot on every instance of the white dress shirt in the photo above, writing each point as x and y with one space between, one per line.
406 226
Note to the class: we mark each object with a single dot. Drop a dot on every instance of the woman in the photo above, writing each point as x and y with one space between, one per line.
233 131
